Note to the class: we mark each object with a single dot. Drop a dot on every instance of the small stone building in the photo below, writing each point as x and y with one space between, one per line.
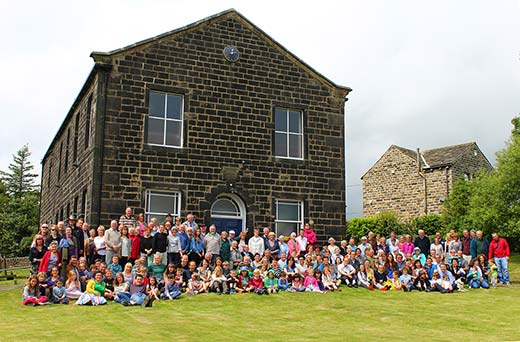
215 119
414 183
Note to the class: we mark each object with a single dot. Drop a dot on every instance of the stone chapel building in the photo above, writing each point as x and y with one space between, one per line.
414 183
216 119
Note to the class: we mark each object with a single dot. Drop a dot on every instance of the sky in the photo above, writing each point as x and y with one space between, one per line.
424 73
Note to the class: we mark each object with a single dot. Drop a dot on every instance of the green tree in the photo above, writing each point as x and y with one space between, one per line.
19 180
491 201
19 205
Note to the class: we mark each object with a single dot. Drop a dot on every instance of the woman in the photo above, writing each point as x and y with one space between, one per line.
242 241
476 276
128 273
36 253
283 247
408 246
272 245
391 265
309 234
455 243
196 247
99 244
95 291
90 246
51 258
126 246
140 225
120 286
437 248
53 236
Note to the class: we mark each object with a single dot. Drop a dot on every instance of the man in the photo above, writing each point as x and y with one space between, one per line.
499 250
302 242
423 242
160 243
190 222
466 246
157 267
212 242
256 243
364 245
185 240
60 226
112 241
479 245
235 255
77 232
225 247
443 270
372 240
128 220
232 236
137 294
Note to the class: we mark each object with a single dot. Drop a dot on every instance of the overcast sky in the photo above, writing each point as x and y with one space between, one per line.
424 73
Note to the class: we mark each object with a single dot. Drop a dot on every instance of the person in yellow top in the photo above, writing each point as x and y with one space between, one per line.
94 294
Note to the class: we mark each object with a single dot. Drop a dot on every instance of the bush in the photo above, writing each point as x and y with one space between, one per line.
430 224
382 224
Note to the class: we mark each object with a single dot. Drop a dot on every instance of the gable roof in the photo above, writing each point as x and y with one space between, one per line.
104 57
436 157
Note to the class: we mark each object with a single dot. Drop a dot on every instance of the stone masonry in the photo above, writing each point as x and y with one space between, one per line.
399 182
228 130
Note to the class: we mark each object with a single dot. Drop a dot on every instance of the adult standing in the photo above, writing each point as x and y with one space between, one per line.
479 245
190 222
499 249
128 220
160 244
256 243
212 242
466 246
302 241
112 241
77 232
423 242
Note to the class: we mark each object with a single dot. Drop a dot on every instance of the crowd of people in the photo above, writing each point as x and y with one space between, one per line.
134 262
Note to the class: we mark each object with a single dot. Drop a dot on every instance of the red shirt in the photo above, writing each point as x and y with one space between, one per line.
136 246
257 283
498 249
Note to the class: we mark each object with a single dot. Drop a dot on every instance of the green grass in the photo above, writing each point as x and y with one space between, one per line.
353 314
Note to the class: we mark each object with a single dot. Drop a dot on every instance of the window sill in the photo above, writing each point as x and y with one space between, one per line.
292 161
177 151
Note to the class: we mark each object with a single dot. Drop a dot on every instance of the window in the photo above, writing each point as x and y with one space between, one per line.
84 204
288 134
66 164
289 217
75 141
225 207
75 206
88 113
59 161
165 120
159 204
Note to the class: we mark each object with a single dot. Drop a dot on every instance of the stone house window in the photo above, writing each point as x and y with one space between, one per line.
160 203
288 133
289 217
165 120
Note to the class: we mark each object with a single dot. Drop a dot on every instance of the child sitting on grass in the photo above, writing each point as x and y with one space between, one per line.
283 282
232 280
311 283
172 289
257 283
152 288
296 284
59 293
31 292
271 283
195 285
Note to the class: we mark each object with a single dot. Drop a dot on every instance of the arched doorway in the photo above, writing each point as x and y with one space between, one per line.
228 212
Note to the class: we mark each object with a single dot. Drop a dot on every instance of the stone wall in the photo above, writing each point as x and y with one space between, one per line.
229 109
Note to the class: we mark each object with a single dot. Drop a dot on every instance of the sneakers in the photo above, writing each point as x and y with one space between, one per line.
125 303
190 293
219 292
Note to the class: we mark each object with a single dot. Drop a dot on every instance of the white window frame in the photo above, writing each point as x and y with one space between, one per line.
237 202
288 133
176 211
166 119
300 212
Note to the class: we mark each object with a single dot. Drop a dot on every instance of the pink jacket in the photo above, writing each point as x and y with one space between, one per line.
293 246
310 281
310 235
407 248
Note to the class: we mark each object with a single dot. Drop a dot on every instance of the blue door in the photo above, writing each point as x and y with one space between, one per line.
227 224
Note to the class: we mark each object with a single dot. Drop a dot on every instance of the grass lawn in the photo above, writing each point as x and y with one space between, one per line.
350 315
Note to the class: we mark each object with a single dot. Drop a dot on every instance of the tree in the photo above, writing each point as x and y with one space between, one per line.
19 205
20 180
491 201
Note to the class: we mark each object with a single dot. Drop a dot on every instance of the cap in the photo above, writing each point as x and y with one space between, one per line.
231 231
244 268
72 217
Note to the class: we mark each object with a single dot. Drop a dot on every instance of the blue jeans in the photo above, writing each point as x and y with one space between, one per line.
503 273
138 298
475 284
122 297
